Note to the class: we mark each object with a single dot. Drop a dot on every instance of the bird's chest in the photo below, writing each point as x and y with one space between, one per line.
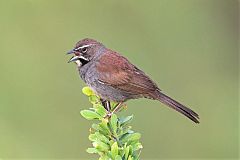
89 75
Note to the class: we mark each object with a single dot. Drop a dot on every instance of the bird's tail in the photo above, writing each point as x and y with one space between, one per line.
178 107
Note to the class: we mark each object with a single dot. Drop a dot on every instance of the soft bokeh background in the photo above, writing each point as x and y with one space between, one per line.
189 47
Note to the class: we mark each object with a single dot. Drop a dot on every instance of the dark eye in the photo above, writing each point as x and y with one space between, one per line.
84 50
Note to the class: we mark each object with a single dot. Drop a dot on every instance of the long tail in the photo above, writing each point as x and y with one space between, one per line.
178 107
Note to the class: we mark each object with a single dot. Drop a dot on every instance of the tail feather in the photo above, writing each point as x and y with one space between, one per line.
178 107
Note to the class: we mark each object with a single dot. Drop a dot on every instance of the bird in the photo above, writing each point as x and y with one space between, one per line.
114 78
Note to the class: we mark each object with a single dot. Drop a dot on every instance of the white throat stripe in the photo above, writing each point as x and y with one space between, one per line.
84 58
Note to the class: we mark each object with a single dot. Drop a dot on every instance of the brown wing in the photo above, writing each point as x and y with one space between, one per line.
118 72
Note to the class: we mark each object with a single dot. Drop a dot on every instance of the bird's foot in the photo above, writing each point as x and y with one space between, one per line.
109 115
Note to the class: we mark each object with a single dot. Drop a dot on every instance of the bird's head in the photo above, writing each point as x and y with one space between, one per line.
84 51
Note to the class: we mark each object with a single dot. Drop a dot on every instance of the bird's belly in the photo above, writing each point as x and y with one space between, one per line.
107 92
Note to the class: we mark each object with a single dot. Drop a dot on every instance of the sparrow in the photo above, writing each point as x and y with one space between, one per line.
114 78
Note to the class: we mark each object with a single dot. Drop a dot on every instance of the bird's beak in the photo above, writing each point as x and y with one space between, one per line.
71 52
73 59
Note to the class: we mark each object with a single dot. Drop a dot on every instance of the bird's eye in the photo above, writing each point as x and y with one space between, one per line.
84 50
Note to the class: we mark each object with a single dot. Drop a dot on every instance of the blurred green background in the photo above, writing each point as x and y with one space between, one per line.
189 47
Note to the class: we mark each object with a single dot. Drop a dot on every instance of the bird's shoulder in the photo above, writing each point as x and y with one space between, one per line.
111 60
114 68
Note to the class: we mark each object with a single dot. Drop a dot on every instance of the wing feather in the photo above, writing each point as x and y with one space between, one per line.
118 72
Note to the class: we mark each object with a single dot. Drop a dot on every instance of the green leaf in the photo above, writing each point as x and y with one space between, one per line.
92 137
118 157
126 150
102 137
137 146
124 138
89 115
130 137
101 146
134 137
114 149
130 151
111 142
104 157
121 151
94 99
92 150
125 120
130 158
103 127
100 110
113 122
125 130
87 91
95 127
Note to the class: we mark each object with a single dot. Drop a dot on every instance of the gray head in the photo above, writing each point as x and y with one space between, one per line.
84 51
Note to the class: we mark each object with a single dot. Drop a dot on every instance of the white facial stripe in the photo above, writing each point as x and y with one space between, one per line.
87 45
84 58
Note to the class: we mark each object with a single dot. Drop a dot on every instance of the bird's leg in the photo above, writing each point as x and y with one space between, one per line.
103 102
106 104
116 109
